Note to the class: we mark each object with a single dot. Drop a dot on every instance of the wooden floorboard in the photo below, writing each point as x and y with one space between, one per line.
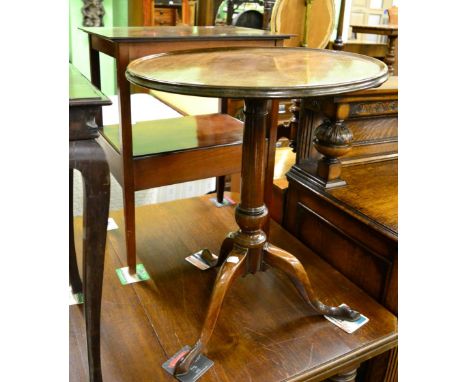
265 331
129 346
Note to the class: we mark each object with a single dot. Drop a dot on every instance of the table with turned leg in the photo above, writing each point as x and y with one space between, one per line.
389 30
256 75
125 44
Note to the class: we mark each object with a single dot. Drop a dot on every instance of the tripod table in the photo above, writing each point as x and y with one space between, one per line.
125 44
256 75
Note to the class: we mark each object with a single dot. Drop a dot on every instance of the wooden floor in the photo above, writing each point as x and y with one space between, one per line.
265 331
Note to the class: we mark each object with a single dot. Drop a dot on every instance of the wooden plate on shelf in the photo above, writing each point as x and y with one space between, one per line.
288 16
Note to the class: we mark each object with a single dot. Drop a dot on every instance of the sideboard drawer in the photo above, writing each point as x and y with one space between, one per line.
165 16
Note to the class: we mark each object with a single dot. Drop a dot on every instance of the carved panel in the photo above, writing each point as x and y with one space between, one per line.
373 108
310 116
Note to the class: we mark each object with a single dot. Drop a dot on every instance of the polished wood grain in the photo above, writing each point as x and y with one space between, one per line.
126 150
81 92
133 34
285 261
85 102
162 149
248 246
374 129
356 232
129 43
279 73
389 87
355 228
351 128
362 191
272 137
250 240
157 170
272 338
86 156
371 200
372 117
130 347
364 218
179 134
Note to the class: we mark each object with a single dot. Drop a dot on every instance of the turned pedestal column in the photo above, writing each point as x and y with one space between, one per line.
221 73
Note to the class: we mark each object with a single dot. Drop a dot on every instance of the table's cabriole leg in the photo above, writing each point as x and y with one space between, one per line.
278 258
88 157
233 267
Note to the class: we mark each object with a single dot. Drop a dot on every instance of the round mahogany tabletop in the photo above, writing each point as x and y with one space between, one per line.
257 72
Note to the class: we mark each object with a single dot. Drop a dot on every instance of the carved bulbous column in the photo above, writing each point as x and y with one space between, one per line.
322 138
332 140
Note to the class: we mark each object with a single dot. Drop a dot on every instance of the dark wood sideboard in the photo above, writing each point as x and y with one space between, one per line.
351 218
